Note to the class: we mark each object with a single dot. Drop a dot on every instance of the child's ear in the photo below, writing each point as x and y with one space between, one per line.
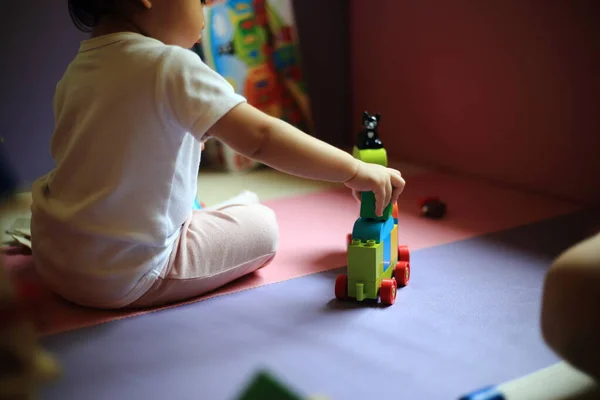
147 4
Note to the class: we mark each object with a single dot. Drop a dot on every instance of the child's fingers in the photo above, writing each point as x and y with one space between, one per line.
384 198
396 194
398 183
389 190
397 179
380 195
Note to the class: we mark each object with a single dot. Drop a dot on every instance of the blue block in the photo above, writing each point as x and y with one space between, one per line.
365 229
197 205
387 254
487 393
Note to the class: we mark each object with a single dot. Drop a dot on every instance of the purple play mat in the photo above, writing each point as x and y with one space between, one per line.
469 318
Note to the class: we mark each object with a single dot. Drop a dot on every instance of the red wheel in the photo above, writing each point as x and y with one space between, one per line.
387 292
402 273
341 287
403 253
349 238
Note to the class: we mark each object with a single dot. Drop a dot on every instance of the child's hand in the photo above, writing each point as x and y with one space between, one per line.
386 183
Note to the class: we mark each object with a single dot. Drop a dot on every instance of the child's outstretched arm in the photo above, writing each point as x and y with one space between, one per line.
279 145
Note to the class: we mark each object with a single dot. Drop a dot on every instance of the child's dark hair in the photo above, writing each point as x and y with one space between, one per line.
85 14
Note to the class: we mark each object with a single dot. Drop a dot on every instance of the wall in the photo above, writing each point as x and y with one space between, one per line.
503 89
323 28
38 41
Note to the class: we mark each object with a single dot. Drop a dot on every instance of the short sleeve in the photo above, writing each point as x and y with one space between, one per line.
195 96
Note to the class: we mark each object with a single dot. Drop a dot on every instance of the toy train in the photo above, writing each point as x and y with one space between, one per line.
377 264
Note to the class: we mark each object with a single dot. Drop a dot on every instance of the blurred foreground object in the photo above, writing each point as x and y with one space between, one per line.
24 365
571 296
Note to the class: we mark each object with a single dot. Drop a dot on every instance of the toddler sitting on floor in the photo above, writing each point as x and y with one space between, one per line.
113 223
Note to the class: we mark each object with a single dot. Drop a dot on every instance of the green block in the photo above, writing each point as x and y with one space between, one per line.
367 207
377 156
365 264
264 386
361 290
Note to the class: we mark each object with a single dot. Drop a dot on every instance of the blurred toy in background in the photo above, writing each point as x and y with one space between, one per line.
198 205
23 363
253 45
433 208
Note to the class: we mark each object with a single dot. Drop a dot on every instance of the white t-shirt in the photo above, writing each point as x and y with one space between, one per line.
131 113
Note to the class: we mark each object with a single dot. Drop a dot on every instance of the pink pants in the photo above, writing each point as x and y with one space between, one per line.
215 247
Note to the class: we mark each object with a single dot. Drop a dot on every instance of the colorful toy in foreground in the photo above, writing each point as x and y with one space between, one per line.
377 264
265 386
25 364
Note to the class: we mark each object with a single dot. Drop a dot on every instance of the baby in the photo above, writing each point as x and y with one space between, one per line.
113 224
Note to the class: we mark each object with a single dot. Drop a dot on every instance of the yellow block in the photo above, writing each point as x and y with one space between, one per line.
394 246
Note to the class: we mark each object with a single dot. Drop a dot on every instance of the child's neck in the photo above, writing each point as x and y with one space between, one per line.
108 25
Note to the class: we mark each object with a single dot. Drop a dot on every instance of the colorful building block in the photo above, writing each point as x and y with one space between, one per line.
392 245
377 265
365 229
367 207
363 283
378 156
